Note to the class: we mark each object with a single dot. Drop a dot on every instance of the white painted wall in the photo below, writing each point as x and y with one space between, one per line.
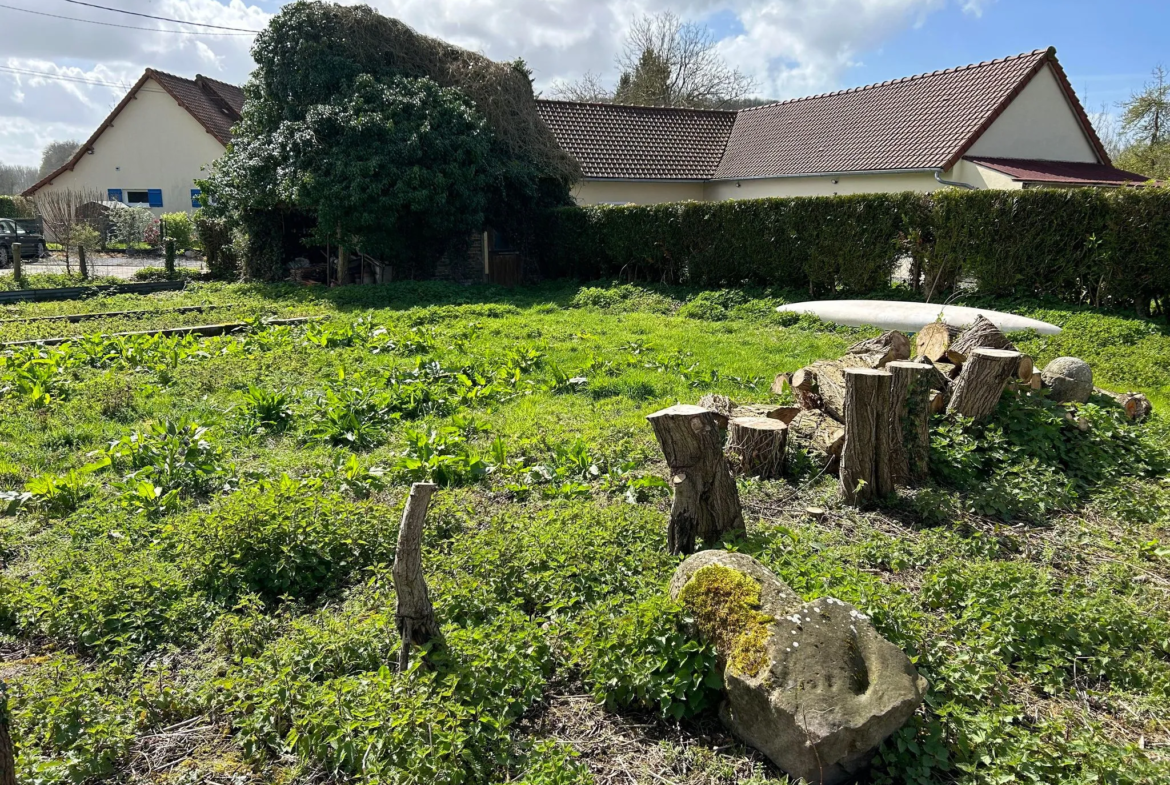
153 143
984 177
630 192
1039 124
821 185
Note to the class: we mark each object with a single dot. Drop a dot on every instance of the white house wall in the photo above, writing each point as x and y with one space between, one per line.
821 185
1039 124
631 192
153 143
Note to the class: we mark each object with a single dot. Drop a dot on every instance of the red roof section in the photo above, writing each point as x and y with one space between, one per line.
215 105
639 142
1060 172
928 121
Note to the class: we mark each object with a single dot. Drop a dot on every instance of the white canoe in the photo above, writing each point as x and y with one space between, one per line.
912 317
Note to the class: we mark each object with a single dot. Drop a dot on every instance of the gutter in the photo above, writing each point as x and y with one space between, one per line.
953 183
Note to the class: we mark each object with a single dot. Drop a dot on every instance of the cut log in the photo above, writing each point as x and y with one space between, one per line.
933 341
784 414
938 402
819 435
706 501
1027 367
414 615
865 460
948 370
979 387
758 443
762 410
982 334
719 405
781 381
804 388
830 382
1136 405
909 422
888 347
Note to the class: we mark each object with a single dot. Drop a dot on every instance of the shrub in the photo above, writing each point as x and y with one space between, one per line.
17 207
129 225
178 227
215 238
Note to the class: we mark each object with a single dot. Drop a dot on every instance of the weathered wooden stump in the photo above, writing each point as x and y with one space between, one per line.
982 334
706 501
819 435
759 444
865 464
414 615
934 340
909 422
979 387
888 347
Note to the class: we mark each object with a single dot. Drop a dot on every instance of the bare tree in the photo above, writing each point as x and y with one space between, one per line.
1108 130
588 89
15 178
1147 114
666 62
60 209
55 154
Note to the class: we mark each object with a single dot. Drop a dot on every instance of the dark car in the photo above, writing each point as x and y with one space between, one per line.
27 233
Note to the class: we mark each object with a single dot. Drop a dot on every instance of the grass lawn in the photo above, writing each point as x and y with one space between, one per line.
196 582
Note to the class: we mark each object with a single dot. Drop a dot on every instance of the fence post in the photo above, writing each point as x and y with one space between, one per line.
170 256
17 268
81 265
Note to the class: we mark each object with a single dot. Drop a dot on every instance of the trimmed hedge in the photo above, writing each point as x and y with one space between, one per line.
1080 245
16 207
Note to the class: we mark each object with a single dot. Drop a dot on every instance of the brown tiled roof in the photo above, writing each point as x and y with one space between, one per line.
920 122
639 142
216 105
1059 172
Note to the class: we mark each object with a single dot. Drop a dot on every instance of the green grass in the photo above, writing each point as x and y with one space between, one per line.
201 530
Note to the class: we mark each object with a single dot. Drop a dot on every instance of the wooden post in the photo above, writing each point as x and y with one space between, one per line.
706 501
865 464
342 266
977 391
169 251
414 616
7 755
17 262
909 436
759 443
82 267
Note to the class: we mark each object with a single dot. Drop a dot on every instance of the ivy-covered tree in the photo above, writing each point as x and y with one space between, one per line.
361 133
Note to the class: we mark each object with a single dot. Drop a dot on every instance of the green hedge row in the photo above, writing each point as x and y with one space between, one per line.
1081 245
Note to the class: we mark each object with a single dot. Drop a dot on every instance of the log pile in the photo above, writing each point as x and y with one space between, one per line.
865 416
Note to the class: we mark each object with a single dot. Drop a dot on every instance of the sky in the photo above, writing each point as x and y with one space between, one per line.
790 47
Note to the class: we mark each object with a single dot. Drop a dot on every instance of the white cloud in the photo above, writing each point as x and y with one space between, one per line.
792 47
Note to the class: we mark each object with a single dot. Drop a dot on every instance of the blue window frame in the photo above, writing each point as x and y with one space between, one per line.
195 198
114 194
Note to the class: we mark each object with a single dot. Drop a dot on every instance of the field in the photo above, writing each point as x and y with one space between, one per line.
197 539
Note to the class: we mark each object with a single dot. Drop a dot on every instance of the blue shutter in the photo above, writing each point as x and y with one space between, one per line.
154 196
115 194
195 198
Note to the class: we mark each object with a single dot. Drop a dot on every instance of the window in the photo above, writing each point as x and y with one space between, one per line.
151 197
114 194
195 198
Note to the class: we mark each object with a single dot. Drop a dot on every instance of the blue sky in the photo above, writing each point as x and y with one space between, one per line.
1107 49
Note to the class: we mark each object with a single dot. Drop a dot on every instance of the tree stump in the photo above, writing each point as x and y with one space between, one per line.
865 460
7 754
819 435
934 340
979 387
758 443
1026 369
706 501
414 615
982 334
888 347
909 422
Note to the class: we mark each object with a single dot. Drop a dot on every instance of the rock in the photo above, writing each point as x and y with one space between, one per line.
1069 378
812 685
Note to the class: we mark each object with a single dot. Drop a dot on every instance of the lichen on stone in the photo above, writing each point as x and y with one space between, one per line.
725 605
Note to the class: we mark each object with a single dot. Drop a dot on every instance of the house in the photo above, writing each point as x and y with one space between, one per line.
155 143
1006 124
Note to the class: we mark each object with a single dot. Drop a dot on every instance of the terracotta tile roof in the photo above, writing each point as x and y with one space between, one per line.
1059 172
639 142
216 105
926 121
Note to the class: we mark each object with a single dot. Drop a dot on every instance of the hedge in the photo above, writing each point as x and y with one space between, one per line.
1080 245
16 207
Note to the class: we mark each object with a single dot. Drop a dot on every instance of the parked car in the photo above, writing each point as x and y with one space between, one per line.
27 233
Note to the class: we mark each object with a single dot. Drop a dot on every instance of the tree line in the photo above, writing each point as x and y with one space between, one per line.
15 178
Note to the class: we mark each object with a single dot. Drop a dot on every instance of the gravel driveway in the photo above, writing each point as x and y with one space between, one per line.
115 266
